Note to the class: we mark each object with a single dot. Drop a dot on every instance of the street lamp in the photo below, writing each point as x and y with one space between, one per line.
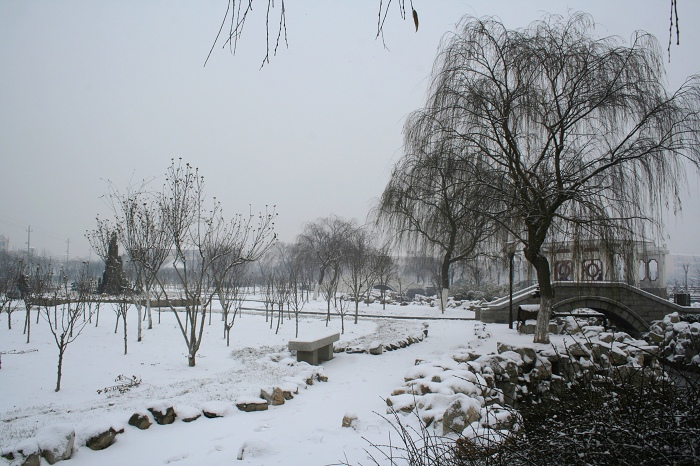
510 251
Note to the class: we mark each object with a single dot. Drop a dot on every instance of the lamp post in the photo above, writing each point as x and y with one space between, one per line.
510 251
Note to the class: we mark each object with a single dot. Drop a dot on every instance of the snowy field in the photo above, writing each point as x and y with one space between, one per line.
305 430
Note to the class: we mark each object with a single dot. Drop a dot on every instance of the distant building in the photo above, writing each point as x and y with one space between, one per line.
4 243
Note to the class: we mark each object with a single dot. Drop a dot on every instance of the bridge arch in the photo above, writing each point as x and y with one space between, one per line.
615 310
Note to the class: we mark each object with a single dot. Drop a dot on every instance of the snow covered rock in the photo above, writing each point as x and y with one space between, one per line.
375 348
103 439
25 453
460 413
56 442
140 420
187 413
349 419
273 395
162 413
214 409
249 405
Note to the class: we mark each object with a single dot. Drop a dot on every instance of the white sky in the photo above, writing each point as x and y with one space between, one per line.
94 91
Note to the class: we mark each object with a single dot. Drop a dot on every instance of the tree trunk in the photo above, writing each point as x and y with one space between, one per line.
139 327
357 309
541 265
444 280
28 323
444 293
60 369
148 309
124 321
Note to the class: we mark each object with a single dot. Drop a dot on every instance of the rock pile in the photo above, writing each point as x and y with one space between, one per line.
678 336
384 339
476 396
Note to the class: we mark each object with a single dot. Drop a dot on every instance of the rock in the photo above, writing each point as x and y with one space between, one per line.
32 460
528 353
349 419
26 453
376 348
617 356
163 416
187 413
140 420
273 396
102 440
579 349
252 405
508 388
56 443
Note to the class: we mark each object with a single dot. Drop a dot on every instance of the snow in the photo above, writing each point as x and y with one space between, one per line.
304 430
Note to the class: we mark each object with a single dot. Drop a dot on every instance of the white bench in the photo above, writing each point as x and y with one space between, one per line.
314 350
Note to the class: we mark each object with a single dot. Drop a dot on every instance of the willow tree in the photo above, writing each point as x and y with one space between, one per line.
431 204
570 136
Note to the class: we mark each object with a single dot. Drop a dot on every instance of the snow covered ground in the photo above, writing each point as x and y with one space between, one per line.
305 430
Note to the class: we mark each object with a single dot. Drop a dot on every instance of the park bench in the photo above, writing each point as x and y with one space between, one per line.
314 350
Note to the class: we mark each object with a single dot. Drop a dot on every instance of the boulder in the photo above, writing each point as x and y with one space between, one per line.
273 395
103 440
56 443
163 415
376 348
459 414
140 420
527 353
26 453
349 419
215 408
249 406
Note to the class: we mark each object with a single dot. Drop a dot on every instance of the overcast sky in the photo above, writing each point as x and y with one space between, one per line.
112 90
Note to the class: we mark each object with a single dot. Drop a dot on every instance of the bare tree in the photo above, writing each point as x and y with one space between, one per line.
33 284
324 241
567 136
430 202
67 326
199 238
358 266
238 12
385 270
291 265
9 273
230 286
144 241
329 288
342 306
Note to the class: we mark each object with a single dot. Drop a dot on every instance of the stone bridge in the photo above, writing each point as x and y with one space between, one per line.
626 306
